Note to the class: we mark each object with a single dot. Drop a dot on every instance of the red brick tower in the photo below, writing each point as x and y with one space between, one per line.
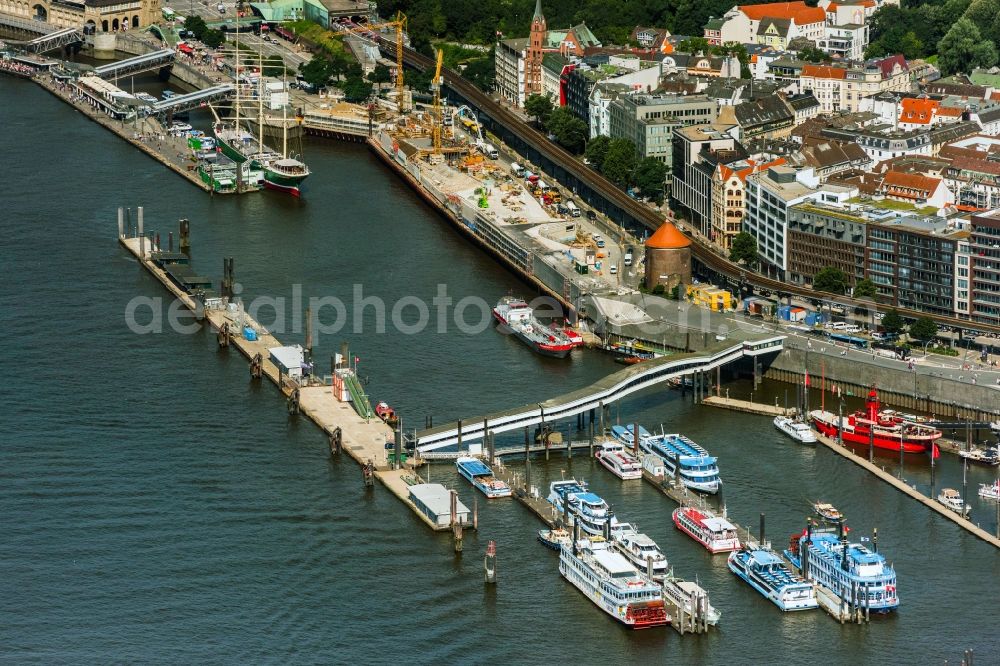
533 57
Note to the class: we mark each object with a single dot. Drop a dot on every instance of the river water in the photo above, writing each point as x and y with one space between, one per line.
157 506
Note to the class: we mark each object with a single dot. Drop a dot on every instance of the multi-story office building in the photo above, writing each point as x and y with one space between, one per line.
984 268
649 120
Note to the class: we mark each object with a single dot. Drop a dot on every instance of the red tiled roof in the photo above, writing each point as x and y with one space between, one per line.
950 111
886 64
824 72
899 183
918 110
797 11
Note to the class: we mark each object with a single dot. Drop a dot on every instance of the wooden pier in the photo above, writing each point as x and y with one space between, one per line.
362 439
746 406
903 487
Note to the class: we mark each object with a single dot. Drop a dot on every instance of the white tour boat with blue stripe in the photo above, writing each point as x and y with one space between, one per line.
584 507
481 477
764 571
685 461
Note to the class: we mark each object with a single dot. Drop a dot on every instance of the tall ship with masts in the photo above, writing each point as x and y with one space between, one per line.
238 142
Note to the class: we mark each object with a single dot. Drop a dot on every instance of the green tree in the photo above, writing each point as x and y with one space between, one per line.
356 89
813 54
910 46
570 131
963 48
380 74
195 24
923 329
538 107
830 279
619 162
213 38
597 149
481 72
318 71
694 45
744 248
864 289
892 323
650 177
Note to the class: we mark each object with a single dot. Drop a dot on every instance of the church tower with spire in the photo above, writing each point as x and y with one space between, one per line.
535 53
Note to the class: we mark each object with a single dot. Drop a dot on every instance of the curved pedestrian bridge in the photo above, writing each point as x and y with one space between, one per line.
602 393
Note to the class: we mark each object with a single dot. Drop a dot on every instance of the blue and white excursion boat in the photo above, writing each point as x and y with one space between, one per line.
613 584
855 574
764 571
685 461
587 509
481 477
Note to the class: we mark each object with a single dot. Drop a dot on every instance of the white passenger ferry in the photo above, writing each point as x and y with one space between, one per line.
613 584
617 460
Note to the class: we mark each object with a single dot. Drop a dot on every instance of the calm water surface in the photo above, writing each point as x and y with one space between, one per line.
158 507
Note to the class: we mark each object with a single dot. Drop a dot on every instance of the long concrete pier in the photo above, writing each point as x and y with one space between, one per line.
362 439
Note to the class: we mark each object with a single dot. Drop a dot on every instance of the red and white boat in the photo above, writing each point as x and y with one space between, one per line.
884 429
571 334
715 533
618 460
519 318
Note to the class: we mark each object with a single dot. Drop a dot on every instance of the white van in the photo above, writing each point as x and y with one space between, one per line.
838 325
628 257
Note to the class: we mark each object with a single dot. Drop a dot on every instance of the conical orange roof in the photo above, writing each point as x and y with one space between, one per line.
667 237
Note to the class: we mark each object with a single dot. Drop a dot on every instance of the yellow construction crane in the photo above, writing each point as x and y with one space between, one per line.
399 24
438 115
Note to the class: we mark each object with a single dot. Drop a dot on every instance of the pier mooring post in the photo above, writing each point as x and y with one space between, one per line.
592 438
762 528
398 446
490 562
475 513
121 222
185 238
635 438
142 236
460 435
601 410
840 422
456 526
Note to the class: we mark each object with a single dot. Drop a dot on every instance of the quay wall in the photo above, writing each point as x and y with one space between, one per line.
919 391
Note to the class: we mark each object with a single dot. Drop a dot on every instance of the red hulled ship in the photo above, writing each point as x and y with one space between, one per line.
885 430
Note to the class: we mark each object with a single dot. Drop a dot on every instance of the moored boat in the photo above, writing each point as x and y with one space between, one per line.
987 455
481 477
617 460
613 584
554 538
386 413
953 501
715 533
571 497
516 315
685 461
624 434
640 550
881 429
990 490
850 571
795 429
762 569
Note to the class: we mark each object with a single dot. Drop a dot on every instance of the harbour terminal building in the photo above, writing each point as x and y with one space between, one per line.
98 15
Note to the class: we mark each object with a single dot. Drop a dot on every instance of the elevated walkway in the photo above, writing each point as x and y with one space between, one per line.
604 392
193 100
140 63
358 396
